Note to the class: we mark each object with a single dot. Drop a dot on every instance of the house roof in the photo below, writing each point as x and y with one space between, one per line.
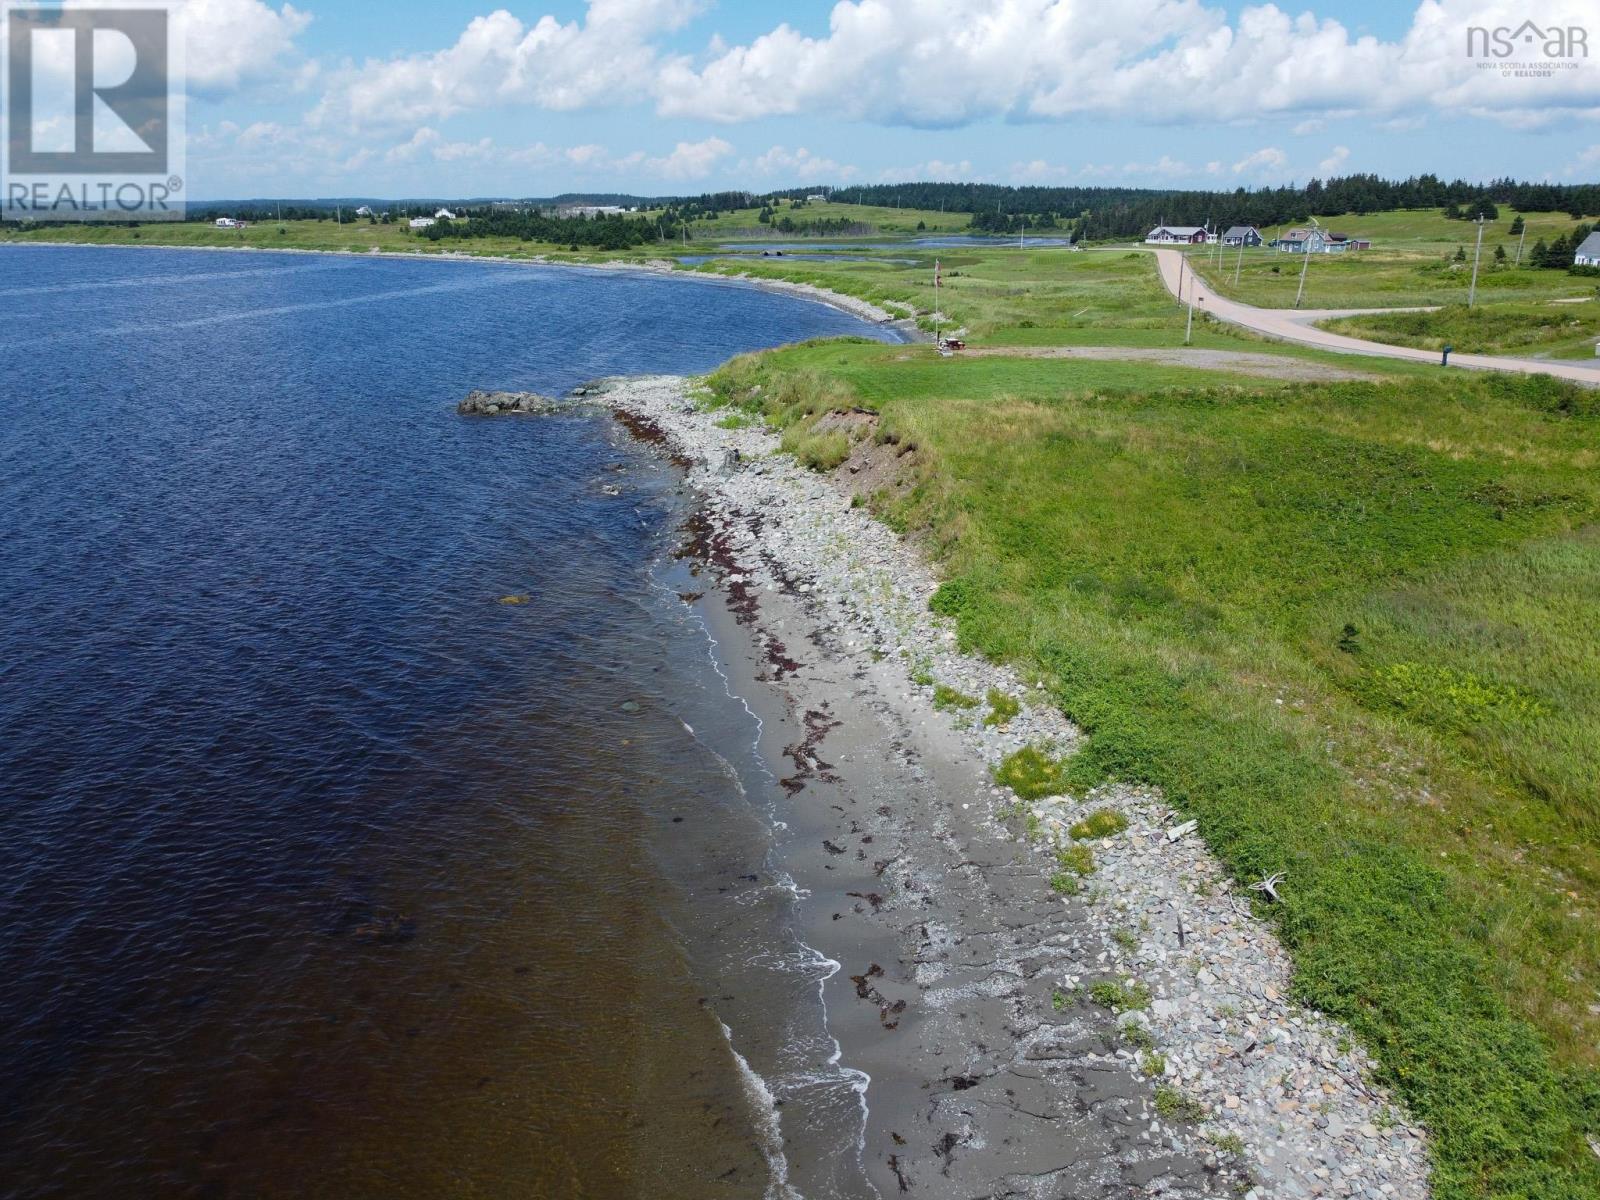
1241 230
1180 230
1300 235
1590 246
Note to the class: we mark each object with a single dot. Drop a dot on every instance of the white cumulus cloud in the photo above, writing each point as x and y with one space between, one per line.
796 166
497 61
232 42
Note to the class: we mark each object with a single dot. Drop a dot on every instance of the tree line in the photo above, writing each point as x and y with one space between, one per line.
1118 212
603 231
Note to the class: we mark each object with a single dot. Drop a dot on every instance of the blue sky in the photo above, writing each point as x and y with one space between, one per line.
452 98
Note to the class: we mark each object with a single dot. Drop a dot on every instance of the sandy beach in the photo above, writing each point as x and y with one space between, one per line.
1137 1038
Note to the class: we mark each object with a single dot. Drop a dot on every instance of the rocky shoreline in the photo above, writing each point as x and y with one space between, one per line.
1126 1031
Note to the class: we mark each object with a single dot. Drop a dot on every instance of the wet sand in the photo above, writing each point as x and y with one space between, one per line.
947 935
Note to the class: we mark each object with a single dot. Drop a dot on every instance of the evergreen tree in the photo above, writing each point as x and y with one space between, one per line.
1517 225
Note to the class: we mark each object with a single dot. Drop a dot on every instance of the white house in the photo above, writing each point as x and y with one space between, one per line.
816 197
1167 235
364 211
229 223
1588 254
1242 235
422 222
444 214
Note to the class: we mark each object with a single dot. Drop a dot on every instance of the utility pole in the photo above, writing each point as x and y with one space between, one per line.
1239 264
1520 240
1305 248
1477 252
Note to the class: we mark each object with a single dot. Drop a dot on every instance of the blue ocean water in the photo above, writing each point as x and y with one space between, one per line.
326 872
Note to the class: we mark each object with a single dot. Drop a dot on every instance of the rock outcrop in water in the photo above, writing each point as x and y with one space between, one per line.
494 404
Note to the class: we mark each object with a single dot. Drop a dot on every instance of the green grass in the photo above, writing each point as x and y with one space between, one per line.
1102 823
1077 859
1002 708
1031 773
1379 278
1557 330
1352 628
1428 229
1173 1105
350 236
1120 997
740 223
946 697
1064 883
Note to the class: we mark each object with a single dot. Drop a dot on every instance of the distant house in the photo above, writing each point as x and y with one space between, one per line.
816 196
231 223
422 222
1242 235
364 211
444 214
1302 241
591 210
1338 243
1167 235
1588 254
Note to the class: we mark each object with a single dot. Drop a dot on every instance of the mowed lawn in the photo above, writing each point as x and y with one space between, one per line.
1354 629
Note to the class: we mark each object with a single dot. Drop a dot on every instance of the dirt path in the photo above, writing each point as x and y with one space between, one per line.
1289 326
1242 362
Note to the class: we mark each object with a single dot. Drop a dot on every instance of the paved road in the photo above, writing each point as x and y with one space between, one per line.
1295 325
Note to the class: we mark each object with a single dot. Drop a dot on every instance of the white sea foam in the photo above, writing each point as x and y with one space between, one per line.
769 1131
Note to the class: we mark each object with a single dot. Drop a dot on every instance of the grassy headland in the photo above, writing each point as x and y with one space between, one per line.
1349 626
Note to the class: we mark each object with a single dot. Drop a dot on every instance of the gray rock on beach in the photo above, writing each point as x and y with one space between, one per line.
491 404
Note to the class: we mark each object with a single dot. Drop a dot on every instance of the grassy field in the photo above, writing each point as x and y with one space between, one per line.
1548 329
745 222
1351 627
1428 229
1377 278
354 237
1005 297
